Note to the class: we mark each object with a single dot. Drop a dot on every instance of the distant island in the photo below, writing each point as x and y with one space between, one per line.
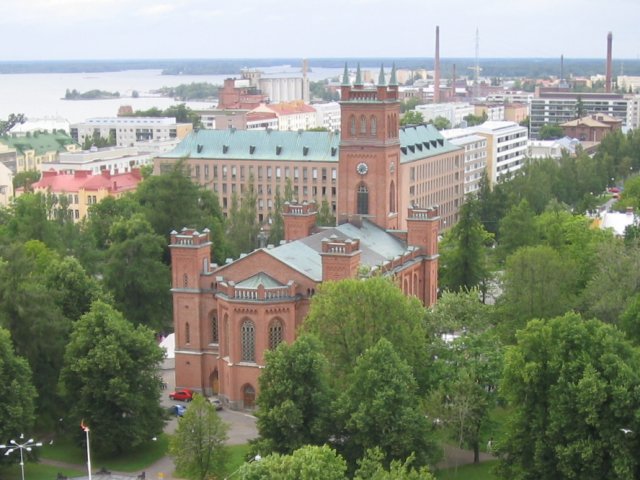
90 95
191 91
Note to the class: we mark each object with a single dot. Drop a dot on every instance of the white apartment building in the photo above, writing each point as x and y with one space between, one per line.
510 96
633 110
291 116
115 160
475 156
453 111
328 115
494 112
506 147
129 130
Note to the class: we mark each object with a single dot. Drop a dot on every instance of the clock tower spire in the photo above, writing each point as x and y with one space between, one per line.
368 171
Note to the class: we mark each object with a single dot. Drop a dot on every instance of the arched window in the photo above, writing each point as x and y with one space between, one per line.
248 338
352 126
363 125
214 328
185 280
276 333
392 197
225 347
187 333
374 126
363 200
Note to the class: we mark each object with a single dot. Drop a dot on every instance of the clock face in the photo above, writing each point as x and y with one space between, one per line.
362 168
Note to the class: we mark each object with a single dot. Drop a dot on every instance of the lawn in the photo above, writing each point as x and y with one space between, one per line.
131 460
36 471
237 456
482 471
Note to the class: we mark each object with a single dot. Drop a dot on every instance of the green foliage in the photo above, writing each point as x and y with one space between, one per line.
463 257
410 104
294 401
350 316
180 112
308 462
110 380
473 120
517 229
371 467
89 95
321 90
572 386
12 120
190 91
550 132
25 179
136 275
440 123
198 447
17 409
412 117
325 216
243 227
378 409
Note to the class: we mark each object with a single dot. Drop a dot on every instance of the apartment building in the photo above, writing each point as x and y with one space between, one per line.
97 160
506 147
453 111
35 149
328 115
475 156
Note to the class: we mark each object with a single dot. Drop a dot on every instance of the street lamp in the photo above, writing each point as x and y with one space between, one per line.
13 446
257 458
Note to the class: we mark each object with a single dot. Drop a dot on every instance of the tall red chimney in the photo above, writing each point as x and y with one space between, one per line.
607 82
436 79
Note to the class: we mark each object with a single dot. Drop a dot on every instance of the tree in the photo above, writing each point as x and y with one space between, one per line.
197 446
308 462
550 131
572 386
463 253
371 467
412 117
473 120
110 379
25 179
517 229
409 104
136 275
350 316
441 123
325 217
294 401
17 409
538 283
12 120
243 226
378 409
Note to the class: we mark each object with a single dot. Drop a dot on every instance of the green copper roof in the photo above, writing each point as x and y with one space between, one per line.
358 82
259 279
258 145
393 81
381 80
40 142
345 76
420 141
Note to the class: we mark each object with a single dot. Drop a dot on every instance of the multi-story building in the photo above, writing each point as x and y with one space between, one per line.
239 95
453 111
553 106
506 147
475 156
128 130
328 115
6 184
8 157
516 112
291 116
97 160
633 110
493 111
82 189
553 148
227 317
592 128
34 149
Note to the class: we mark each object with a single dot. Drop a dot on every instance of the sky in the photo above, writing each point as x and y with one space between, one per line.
138 29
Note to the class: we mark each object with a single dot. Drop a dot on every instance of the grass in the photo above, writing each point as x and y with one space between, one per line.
37 471
131 460
483 471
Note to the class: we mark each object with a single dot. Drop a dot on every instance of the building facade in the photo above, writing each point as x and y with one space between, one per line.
112 159
475 156
227 317
128 130
592 128
291 116
453 111
506 147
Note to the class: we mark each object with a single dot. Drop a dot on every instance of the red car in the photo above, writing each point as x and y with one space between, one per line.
183 394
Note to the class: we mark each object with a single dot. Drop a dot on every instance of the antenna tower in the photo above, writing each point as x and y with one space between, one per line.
476 68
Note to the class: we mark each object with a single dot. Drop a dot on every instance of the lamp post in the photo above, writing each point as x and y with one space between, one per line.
257 458
85 428
13 446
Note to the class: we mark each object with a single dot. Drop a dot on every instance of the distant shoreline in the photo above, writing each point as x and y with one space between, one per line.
502 67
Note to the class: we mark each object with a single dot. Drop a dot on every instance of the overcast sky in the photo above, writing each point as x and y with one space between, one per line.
101 29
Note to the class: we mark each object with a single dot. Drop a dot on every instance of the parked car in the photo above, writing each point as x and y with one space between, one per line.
177 410
216 403
183 394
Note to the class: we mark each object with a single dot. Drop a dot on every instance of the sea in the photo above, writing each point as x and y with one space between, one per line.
41 95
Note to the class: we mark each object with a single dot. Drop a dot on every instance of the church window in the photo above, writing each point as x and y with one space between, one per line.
214 329
275 334
374 126
363 199
392 198
363 125
248 338
352 125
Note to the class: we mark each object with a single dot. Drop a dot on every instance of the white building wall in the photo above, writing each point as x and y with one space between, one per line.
453 111
328 115
508 147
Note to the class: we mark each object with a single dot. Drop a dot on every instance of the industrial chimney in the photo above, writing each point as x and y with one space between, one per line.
436 79
607 82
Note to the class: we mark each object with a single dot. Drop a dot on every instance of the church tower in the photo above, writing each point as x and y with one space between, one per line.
368 171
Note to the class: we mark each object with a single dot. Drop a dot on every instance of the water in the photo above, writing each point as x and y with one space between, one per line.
40 95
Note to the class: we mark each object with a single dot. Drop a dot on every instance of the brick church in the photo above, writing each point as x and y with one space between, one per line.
226 317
